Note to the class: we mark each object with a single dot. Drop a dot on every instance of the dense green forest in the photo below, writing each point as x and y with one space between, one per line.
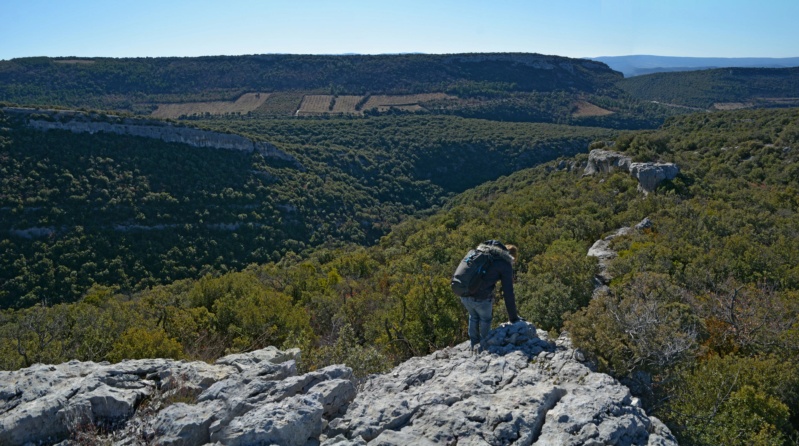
752 87
131 212
701 320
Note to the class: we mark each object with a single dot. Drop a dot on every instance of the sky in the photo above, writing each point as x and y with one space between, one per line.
571 28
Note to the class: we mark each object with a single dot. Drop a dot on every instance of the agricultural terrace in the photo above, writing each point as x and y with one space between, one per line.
584 109
319 104
404 102
313 105
246 103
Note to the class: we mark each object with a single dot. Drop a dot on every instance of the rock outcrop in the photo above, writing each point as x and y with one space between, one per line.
526 389
649 175
601 249
79 122
606 161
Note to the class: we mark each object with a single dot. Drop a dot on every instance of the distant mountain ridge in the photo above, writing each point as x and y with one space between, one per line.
636 65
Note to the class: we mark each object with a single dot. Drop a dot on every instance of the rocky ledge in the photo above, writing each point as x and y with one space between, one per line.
526 389
649 175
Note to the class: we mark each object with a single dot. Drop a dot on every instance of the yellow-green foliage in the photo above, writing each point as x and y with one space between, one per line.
349 350
557 282
735 401
246 312
85 330
139 343
644 325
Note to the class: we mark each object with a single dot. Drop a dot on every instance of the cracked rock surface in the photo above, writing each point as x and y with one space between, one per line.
526 389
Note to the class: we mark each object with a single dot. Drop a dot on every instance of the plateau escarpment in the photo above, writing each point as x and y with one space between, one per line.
79 122
526 389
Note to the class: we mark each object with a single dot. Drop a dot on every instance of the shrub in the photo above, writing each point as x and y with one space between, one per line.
734 400
140 343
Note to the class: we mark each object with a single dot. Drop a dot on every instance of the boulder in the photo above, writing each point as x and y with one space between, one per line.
44 403
606 161
649 175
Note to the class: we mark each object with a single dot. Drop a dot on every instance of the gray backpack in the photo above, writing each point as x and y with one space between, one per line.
470 272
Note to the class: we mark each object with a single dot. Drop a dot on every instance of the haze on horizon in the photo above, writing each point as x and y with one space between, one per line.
575 28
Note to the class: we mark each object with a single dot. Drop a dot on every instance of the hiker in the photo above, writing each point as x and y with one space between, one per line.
479 297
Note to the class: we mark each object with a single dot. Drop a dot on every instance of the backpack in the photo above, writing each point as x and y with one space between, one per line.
470 272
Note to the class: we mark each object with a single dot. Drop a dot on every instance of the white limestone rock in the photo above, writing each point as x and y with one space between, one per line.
525 389
650 175
506 395
606 161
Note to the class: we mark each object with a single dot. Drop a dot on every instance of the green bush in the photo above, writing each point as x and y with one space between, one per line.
140 343
735 400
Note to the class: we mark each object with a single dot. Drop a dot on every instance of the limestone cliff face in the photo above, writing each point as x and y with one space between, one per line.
526 389
79 122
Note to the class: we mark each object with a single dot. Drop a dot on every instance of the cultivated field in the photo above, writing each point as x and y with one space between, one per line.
732 105
768 102
284 103
297 104
346 104
585 109
319 104
315 104
246 103
402 102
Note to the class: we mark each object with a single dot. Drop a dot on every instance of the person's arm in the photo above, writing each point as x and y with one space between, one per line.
506 274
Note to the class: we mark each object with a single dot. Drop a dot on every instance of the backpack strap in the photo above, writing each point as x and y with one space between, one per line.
496 243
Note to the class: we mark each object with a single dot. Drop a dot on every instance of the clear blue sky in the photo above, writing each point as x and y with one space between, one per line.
573 28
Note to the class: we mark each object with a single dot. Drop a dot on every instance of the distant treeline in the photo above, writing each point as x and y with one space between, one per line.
763 87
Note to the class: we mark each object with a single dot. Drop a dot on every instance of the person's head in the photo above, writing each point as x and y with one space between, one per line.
512 250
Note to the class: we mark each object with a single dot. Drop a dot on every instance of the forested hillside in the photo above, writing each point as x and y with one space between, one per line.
646 64
702 318
722 88
499 86
63 81
131 212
